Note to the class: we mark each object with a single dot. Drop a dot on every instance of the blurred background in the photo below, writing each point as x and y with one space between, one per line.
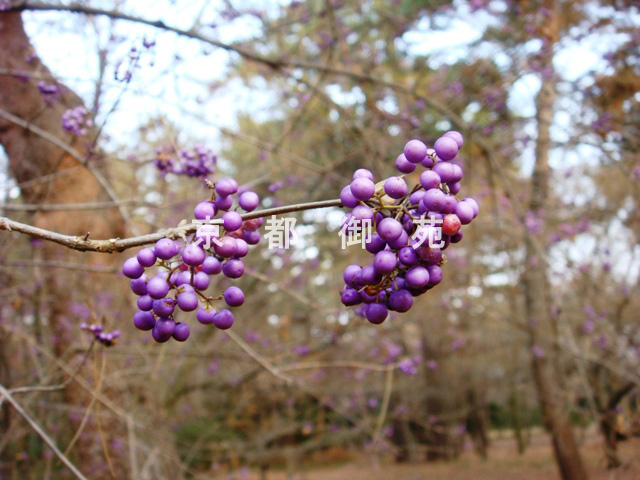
523 363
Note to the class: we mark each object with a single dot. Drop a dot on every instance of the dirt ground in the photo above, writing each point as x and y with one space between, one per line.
504 463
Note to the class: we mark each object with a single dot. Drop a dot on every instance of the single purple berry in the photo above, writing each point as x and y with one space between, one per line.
401 301
350 297
363 173
187 301
145 303
146 257
375 243
376 313
164 307
158 336
144 320
139 285
389 229
347 198
211 266
362 188
200 281
223 319
234 296
166 326
385 261
226 247
233 268
157 287
430 179
249 201
205 211
231 221
403 165
417 277
464 211
224 203
181 332
446 148
396 187
132 269
415 151
165 248
193 255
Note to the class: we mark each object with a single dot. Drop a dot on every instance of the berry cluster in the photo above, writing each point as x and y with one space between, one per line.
185 268
77 121
199 162
411 227
105 338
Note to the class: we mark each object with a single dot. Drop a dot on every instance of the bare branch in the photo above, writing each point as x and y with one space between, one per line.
83 244
5 393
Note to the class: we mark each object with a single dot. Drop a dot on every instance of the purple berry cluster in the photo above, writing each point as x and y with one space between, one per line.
77 121
410 227
186 268
199 162
105 338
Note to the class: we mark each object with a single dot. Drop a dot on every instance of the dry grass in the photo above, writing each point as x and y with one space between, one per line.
504 463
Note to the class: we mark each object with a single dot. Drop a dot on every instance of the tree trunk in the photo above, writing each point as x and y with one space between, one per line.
32 135
540 324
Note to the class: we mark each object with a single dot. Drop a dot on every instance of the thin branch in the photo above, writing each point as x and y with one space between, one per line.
5 393
84 161
83 244
54 207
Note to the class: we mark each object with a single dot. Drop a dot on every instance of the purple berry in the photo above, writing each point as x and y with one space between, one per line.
403 165
226 186
146 257
233 268
205 317
347 198
445 170
430 179
200 281
446 148
474 205
223 319
193 255
231 221
145 303
415 151
408 256
401 301
204 211
132 269
417 277
139 285
164 307
165 326
370 275
350 273
456 136
211 266
363 173
224 202
376 313
181 332
362 188
158 336
375 243
433 200
385 261
157 287
389 229
435 274
350 297
362 212
251 237
234 296
395 187
165 248
249 201
226 247
242 248
464 211
187 301
144 320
